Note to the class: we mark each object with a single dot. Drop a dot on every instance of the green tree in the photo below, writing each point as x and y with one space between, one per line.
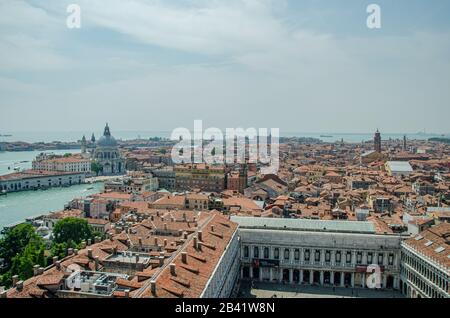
21 248
72 229
14 240
96 167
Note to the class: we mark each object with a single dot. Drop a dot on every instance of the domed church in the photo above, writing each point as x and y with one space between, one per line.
107 154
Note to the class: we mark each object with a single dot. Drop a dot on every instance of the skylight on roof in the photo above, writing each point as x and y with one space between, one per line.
439 249
418 237
429 243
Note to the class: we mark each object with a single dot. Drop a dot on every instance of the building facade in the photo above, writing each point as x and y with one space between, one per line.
317 252
66 164
200 176
107 154
426 264
38 179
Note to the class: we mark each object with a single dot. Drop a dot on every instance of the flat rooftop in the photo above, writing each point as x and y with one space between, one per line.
305 225
401 166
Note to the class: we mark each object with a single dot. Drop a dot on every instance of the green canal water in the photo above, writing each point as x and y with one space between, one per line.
16 207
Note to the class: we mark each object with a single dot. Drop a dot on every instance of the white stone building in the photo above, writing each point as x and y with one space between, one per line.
334 253
426 263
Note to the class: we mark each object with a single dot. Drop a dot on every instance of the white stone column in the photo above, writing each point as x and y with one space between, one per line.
353 280
291 276
301 276
332 278
321 278
342 279
271 274
384 281
363 280
311 277
280 276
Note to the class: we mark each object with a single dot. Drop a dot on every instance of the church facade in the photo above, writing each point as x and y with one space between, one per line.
106 153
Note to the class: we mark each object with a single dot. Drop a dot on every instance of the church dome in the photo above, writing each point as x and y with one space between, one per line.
106 141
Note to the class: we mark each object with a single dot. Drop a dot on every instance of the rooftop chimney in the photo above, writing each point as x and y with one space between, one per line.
173 269
212 228
200 235
19 285
15 279
155 240
69 251
185 235
89 242
161 261
195 242
127 293
75 251
90 253
165 242
41 270
96 263
184 257
165 226
55 259
58 264
35 270
153 287
140 241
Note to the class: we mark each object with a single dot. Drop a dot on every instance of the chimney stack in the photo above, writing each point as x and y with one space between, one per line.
75 251
127 293
212 228
41 270
140 241
55 259
96 263
90 253
89 242
155 241
184 257
153 287
195 242
58 264
200 235
185 235
69 251
19 285
173 269
15 280
165 242
35 270
165 226
161 261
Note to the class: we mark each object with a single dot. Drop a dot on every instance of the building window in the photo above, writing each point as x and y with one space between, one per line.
286 254
256 252
307 256
338 257
391 259
266 252
380 259
246 251
297 254
327 256
276 253
359 258
369 258
348 257
317 256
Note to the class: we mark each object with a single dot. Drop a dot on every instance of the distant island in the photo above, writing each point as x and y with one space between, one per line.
440 139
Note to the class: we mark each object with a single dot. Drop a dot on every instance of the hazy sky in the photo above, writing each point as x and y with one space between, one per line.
301 66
